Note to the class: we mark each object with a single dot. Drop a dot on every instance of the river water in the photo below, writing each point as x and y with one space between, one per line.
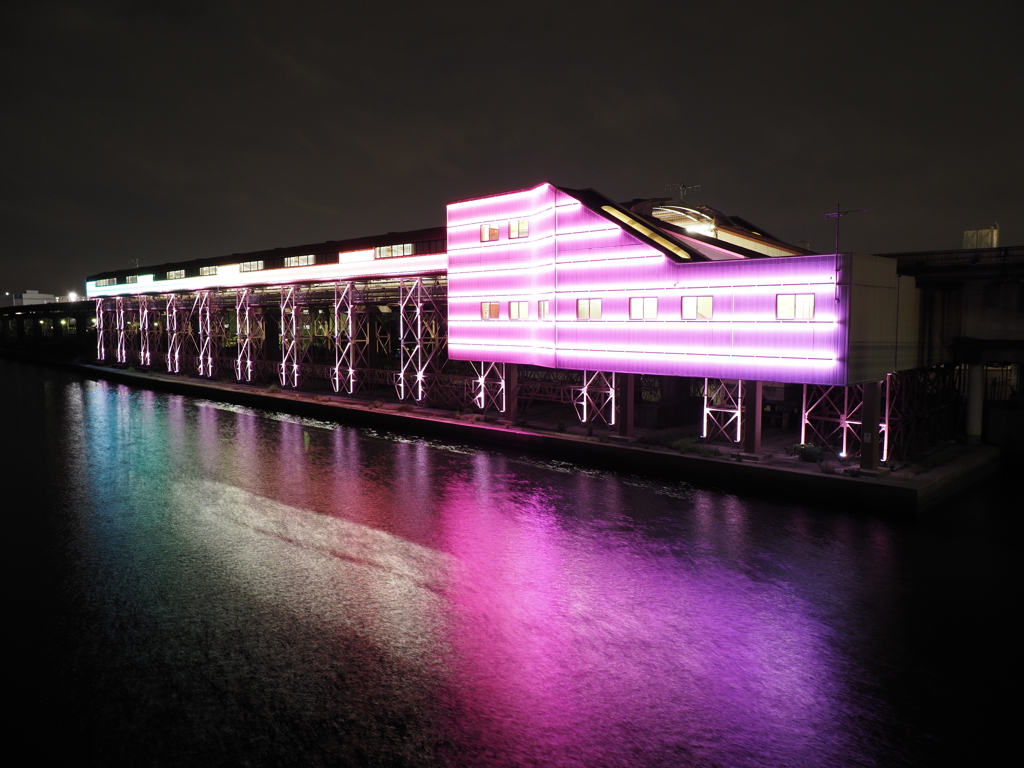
196 583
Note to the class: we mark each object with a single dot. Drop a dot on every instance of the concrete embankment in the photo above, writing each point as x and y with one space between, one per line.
910 490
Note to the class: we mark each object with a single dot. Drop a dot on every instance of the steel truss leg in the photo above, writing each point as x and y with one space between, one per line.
243 359
723 409
179 331
104 328
149 330
174 333
343 375
119 325
252 333
204 364
596 398
422 336
833 417
489 387
288 370
294 336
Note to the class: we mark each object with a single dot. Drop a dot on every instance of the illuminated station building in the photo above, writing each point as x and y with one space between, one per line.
549 294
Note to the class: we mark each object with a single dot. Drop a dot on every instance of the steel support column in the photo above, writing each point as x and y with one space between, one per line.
343 375
104 329
179 331
119 326
752 391
149 330
422 336
975 402
252 333
291 337
869 434
723 408
489 387
627 403
204 363
596 398
834 417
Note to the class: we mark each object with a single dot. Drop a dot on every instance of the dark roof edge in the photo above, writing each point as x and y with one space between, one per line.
339 246
597 203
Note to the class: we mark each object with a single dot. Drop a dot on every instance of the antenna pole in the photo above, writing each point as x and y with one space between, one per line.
837 216
683 188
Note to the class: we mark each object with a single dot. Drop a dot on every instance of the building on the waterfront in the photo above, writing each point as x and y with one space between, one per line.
627 311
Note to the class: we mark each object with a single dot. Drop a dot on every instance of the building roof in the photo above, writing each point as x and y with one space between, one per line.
330 246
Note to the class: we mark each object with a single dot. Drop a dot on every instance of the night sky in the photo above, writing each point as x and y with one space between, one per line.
165 131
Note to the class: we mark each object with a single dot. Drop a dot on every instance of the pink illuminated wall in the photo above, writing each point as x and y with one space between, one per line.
573 252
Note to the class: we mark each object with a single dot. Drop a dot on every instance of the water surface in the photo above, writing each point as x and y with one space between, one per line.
203 584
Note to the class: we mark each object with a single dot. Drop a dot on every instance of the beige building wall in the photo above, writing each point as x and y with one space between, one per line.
883 319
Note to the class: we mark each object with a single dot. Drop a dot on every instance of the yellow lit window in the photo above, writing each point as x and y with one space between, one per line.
519 228
643 308
588 309
697 307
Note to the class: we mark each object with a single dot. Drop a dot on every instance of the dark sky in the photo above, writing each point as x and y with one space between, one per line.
176 130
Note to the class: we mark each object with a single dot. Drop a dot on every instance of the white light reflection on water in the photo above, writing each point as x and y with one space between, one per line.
320 570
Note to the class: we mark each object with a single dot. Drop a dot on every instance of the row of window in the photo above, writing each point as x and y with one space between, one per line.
787 307
409 249
281 262
127 279
517 228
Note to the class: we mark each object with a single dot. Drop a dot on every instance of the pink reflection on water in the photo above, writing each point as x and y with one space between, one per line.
581 639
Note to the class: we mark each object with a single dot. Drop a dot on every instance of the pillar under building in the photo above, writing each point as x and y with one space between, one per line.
752 405
627 405
511 392
975 402
869 426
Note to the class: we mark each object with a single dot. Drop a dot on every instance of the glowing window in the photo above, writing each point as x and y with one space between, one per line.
697 307
518 310
300 261
490 310
132 279
798 306
106 281
251 266
488 232
805 306
645 308
176 274
543 309
588 309
518 228
207 271
392 251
